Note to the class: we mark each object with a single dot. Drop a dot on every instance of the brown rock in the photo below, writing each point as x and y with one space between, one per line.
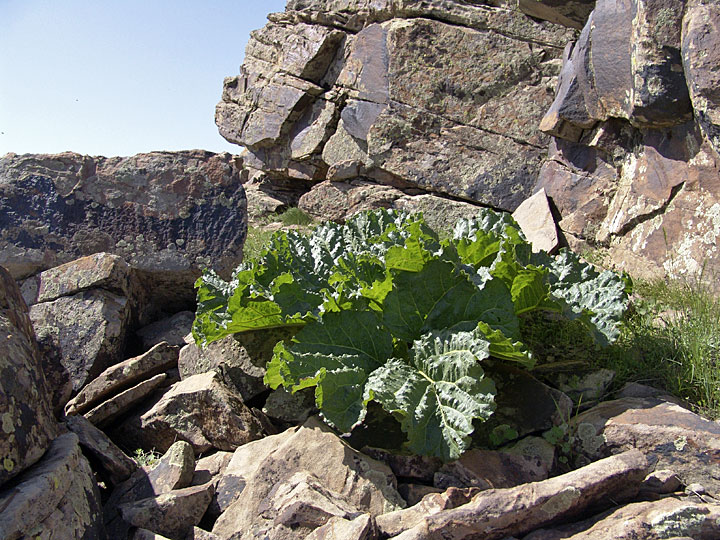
572 13
667 518
524 406
98 271
110 409
200 410
355 480
172 514
79 336
28 425
700 57
411 466
114 461
453 113
337 528
231 360
57 496
673 436
487 469
210 466
498 513
168 214
394 523
173 471
123 375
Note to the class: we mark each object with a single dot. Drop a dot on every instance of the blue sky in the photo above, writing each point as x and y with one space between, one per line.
110 77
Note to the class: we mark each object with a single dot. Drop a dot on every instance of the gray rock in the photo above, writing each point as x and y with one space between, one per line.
28 424
312 449
674 437
168 214
200 410
123 375
57 496
80 336
173 514
114 461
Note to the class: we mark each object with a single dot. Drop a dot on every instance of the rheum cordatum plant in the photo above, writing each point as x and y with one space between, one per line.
388 312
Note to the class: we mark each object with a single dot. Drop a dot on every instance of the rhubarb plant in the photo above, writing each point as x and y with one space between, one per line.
385 311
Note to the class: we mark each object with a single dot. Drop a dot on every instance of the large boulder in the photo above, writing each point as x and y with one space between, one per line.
28 425
55 498
441 96
168 214
634 166
296 481
201 410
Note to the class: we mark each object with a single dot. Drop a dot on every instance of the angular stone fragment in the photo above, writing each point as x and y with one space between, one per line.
231 360
524 405
200 410
411 466
499 513
210 466
486 469
173 514
28 425
537 222
110 409
98 271
171 330
80 336
290 407
115 462
313 449
57 494
337 528
572 13
673 436
394 523
173 471
123 375
168 214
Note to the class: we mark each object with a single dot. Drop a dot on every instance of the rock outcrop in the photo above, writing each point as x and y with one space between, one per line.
634 165
438 96
168 214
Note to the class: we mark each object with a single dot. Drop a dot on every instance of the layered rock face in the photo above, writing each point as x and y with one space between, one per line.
167 214
634 165
438 96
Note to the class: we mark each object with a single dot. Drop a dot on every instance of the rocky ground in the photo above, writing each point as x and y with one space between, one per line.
345 105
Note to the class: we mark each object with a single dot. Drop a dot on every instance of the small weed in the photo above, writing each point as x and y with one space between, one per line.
146 459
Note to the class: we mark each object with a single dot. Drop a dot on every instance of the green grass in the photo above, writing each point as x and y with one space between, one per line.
295 216
671 340
257 238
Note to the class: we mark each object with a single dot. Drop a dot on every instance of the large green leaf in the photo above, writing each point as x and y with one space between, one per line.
336 354
438 393
598 299
443 296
